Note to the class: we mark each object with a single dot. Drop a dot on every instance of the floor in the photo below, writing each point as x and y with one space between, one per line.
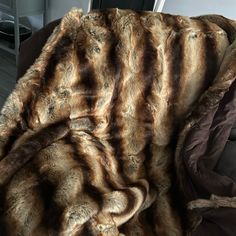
7 75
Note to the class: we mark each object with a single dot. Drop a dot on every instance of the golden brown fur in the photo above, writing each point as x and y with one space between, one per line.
88 135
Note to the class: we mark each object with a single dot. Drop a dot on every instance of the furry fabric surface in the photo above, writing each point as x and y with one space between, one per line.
101 135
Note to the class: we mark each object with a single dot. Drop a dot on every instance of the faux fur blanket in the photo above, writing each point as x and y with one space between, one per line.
117 127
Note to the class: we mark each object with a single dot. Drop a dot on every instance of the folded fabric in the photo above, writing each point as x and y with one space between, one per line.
233 133
227 162
118 126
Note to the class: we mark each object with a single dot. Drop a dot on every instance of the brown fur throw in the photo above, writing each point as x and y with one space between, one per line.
95 138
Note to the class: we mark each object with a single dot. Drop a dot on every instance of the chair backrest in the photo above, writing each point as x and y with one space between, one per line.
140 5
31 48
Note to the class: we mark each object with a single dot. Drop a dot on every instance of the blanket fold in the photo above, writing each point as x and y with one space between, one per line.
118 126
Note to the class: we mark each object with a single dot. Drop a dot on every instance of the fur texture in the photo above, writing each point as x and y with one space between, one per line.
88 136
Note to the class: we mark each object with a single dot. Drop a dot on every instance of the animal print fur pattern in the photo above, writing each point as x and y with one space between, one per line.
88 136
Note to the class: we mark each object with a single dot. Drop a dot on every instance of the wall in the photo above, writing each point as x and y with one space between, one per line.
56 9
200 7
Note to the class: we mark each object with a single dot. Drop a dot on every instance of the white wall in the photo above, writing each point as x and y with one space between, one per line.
200 7
58 8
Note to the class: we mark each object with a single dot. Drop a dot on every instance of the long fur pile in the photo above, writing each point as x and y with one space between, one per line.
88 136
